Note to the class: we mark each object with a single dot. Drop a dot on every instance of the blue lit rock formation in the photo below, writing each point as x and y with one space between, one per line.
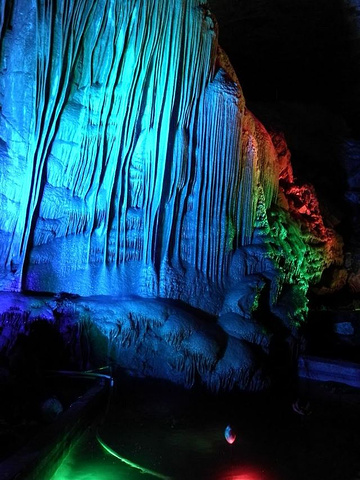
130 166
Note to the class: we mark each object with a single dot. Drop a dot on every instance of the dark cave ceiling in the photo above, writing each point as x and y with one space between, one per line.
299 51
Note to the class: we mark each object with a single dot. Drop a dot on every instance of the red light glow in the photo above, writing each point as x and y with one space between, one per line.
244 473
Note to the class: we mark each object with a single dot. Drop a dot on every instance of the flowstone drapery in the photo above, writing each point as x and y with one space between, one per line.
130 165
124 150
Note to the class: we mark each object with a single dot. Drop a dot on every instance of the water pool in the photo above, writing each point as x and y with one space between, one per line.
180 435
183 455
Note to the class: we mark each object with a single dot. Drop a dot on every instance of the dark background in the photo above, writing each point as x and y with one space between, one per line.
304 51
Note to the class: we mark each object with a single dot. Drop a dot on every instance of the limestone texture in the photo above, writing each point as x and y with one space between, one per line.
131 168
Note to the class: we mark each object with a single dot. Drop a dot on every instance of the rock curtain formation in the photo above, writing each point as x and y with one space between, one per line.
130 166
127 161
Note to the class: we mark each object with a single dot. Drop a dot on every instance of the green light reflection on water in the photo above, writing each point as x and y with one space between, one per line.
87 461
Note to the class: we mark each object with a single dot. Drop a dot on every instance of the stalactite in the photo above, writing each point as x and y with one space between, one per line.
137 150
130 166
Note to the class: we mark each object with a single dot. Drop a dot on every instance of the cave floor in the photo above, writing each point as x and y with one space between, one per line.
180 434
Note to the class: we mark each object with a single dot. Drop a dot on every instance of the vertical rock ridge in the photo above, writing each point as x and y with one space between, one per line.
130 163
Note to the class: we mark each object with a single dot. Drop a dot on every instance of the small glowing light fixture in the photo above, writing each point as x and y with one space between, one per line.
230 435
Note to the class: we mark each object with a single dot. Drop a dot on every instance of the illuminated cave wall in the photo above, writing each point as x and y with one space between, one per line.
126 164
130 164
